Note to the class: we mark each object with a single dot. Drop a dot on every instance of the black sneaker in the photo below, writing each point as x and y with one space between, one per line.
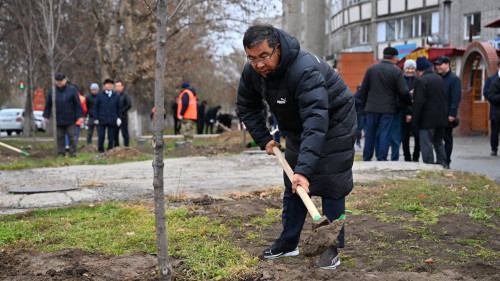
493 153
281 249
329 259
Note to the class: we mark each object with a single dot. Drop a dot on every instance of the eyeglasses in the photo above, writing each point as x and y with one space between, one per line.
255 61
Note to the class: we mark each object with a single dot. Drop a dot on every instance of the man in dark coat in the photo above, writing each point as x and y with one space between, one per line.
125 105
494 118
90 100
429 112
200 123
210 118
68 111
382 85
316 115
453 90
108 115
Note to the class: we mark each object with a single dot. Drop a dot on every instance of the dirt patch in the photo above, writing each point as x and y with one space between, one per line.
74 264
211 149
375 250
89 148
241 137
120 153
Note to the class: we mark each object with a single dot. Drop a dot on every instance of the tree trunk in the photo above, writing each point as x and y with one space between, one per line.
158 143
54 112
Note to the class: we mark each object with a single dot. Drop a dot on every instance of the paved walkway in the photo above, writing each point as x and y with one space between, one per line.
214 176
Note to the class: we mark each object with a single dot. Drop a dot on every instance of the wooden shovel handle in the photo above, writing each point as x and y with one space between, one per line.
300 190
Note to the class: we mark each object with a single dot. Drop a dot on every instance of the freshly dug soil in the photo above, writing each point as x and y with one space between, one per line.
375 250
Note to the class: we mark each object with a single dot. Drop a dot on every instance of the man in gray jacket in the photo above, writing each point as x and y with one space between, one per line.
316 115
382 88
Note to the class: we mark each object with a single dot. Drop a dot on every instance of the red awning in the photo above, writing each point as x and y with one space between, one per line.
494 24
432 53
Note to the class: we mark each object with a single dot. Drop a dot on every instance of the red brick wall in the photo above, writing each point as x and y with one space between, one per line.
352 67
468 112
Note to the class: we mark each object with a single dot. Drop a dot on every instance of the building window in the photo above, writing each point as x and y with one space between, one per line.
426 25
353 36
336 6
475 21
364 32
408 27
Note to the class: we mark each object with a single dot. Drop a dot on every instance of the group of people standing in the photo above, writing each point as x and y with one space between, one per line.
393 105
188 111
107 110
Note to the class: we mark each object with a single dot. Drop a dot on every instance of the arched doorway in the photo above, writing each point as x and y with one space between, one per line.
479 62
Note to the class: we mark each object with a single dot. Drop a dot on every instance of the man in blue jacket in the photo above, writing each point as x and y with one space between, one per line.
453 88
68 111
494 118
107 115
316 115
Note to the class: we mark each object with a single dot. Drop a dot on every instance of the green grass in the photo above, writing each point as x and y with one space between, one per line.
205 245
428 197
80 159
270 216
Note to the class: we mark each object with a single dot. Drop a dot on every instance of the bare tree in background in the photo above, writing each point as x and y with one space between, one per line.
22 11
48 34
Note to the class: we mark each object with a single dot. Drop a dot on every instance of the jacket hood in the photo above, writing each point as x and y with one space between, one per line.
290 48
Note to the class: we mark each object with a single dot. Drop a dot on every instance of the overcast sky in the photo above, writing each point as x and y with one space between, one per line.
273 8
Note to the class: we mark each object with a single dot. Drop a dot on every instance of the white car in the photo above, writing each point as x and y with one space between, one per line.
11 120
39 120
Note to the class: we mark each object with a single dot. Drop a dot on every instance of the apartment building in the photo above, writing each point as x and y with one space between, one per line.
329 27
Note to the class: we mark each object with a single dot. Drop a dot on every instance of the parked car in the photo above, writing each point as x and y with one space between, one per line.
11 120
39 120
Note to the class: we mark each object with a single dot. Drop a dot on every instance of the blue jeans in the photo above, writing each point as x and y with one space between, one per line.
395 137
377 127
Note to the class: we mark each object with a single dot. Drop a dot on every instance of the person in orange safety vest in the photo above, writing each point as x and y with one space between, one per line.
187 111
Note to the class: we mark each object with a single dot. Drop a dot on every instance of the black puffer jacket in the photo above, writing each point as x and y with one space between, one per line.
429 102
315 112
382 85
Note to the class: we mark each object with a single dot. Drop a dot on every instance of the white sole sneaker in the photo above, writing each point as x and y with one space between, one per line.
282 255
333 266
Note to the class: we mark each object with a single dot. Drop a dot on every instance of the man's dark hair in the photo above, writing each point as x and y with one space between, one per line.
259 33
119 81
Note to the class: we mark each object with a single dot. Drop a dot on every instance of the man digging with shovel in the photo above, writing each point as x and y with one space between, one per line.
316 115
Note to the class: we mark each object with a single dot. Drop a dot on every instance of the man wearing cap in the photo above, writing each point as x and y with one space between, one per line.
492 93
382 84
107 115
68 112
429 112
90 100
187 111
453 90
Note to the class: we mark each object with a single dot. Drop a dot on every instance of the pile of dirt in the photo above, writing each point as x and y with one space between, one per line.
207 150
238 137
89 148
121 152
